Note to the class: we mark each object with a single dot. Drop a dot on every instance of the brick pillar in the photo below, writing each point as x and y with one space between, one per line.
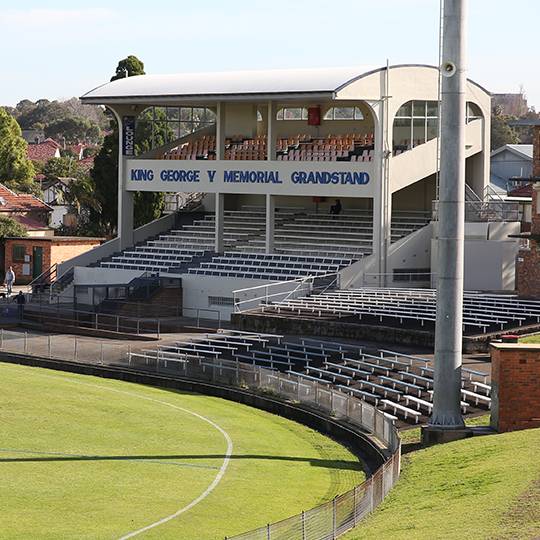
515 395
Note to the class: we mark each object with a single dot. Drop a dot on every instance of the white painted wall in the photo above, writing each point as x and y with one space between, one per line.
103 276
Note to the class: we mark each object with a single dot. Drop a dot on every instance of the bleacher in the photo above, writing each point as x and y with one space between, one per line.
306 243
482 312
348 147
398 383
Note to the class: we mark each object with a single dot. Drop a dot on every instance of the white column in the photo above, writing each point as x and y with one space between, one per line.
271 132
219 223
220 131
125 198
270 222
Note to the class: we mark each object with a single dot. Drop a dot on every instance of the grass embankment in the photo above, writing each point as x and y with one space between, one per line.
480 488
533 338
83 457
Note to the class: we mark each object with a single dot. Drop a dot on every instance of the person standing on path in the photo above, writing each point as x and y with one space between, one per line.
9 280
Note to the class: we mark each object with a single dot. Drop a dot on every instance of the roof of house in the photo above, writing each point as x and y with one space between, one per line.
30 224
524 151
20 202
44 151
522 191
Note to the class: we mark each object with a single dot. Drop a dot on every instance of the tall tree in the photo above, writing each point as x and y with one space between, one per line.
16 170
147 206
10 227
501 132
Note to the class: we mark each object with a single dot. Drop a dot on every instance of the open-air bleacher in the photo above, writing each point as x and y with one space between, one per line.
482 312
306 244
398 383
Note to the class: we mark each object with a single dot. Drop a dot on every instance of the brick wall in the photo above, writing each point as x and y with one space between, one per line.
62 251
515 375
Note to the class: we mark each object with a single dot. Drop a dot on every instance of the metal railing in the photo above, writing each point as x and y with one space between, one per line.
280 291
330 519
398 280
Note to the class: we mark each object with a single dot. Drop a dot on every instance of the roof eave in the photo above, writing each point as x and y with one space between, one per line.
208 98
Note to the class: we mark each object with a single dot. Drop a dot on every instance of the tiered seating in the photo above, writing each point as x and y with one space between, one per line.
273 267
398 383
349 147
305 244
410 307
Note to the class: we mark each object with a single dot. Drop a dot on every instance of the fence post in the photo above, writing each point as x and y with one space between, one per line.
158 327
75 349
303 525
101 352
96 322
198 317
2 338
49 348
138 326
355 505
334 518
268 532
25 342
118 323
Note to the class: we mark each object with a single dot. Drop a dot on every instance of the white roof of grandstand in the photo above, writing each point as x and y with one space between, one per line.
229 83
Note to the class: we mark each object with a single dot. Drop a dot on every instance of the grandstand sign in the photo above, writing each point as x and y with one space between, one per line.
128 136
279 178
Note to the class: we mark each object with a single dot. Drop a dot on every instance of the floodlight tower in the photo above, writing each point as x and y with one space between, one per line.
446 415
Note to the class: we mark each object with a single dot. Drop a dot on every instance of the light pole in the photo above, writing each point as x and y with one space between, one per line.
446 419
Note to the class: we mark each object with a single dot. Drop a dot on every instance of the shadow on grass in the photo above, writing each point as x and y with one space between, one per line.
324 463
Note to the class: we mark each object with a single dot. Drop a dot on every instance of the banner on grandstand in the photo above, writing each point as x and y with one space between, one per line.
324 179
128 135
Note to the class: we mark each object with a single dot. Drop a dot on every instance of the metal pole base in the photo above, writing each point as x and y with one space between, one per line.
439 435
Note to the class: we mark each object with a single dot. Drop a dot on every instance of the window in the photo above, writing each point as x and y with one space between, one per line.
292 113
162 125
19 251
416 122
344 113
412 274
473 112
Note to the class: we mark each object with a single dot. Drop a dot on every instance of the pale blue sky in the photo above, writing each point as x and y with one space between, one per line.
58 49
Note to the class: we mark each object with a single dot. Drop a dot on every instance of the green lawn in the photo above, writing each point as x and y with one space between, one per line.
533 338
481 488
83 457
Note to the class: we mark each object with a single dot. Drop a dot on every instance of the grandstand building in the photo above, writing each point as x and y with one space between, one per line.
268 154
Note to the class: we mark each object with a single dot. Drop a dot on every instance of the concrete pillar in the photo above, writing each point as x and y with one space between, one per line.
446 414
270 223
219 223
220 131
272 132
125 198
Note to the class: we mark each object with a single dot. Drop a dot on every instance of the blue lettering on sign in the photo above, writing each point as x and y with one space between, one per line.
175 175
323 178
252 177
142 175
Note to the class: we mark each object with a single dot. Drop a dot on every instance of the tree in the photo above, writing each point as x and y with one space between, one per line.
128 67
10 227
148 205
501 132
62 167
16 170
73 130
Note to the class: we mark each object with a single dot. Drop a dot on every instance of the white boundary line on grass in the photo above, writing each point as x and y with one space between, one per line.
207 491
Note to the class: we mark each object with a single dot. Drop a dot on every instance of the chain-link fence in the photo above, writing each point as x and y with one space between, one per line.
324 522
330 519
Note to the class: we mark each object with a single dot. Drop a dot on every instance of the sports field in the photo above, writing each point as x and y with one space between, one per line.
84 457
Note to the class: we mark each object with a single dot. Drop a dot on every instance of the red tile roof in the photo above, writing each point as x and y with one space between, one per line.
30 224
44 151
20 202
522 191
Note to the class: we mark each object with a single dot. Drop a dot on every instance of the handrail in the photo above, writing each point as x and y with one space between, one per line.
306 280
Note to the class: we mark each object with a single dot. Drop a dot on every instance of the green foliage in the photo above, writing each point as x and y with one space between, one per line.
10 227
73 130
128 67
132 445
147 206
62 167
16 170
501 132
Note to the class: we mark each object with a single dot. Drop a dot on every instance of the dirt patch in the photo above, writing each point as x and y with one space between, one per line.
522 520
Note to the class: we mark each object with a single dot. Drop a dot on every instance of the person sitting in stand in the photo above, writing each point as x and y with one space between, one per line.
335 209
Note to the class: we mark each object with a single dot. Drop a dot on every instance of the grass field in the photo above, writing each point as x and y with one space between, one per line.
481 488
533 338
84 457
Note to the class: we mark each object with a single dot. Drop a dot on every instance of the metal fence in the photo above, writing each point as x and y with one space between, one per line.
333 518
324 522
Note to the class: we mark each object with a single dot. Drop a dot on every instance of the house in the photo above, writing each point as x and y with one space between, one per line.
511 167
54 194
44 151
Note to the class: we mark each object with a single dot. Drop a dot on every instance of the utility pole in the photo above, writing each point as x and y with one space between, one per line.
446 419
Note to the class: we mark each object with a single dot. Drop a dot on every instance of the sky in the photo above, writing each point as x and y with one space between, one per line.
59 49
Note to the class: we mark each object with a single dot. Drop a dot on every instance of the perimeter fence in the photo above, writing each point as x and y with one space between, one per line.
324 522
